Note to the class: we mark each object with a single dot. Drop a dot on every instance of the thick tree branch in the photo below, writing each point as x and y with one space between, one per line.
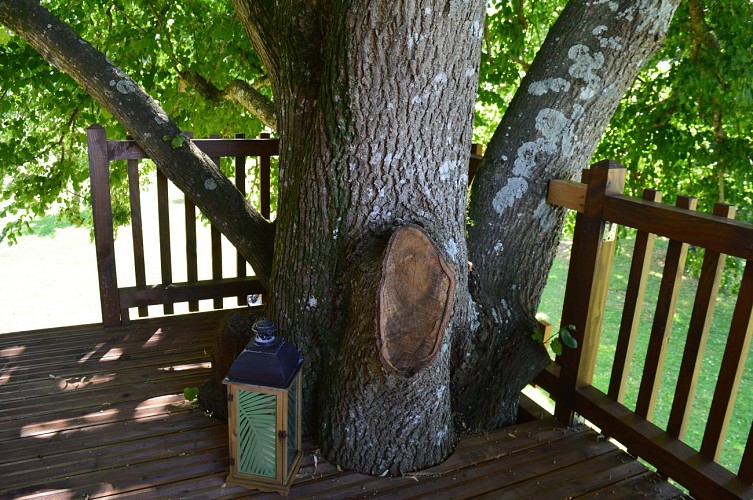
550 130
238 91
190 169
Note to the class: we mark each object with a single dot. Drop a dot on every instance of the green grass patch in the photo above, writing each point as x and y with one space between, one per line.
551 306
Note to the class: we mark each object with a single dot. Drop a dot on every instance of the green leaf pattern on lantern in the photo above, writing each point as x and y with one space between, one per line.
257 434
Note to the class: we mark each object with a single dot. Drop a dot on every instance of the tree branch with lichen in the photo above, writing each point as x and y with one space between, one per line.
238 91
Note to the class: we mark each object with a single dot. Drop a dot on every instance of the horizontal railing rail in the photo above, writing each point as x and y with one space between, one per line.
601 204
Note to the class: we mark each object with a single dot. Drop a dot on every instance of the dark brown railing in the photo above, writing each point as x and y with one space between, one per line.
116 301
601 204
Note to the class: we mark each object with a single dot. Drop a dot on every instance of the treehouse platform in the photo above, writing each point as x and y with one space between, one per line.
93 412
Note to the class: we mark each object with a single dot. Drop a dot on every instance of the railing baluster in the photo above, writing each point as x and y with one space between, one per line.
265 168
631 313
192 261
746 465
99 173
581 297
137 229
674 266
216 238
731 370
240 183
698 333
163 215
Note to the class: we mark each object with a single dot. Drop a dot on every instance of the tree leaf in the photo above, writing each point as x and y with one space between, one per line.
568 339
556 346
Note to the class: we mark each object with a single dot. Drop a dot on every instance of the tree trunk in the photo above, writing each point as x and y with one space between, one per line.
374 104
590 57
375 135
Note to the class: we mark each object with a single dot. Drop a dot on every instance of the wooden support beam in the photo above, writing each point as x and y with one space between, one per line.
583 306
99 173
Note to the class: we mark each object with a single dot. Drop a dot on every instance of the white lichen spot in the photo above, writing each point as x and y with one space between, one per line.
49 26
613 6
498 247
440 79
446 168
470 72
112 83
312 302
495 316
440 391
583 67
451 247
506 308
441 434
504 158
548 85
476 31
161 118
210 184
125 86
505 197
546 216
473 312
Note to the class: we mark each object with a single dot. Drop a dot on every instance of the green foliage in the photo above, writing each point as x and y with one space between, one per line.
191 394
513 33
44 113
563 338
686 126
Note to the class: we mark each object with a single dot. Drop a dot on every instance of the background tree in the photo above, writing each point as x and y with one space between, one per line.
373 104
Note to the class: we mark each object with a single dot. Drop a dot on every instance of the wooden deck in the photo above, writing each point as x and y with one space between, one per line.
89 413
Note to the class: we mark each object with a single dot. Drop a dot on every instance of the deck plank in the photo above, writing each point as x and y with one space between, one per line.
100 413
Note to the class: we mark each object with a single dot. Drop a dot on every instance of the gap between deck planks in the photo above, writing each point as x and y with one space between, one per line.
94 413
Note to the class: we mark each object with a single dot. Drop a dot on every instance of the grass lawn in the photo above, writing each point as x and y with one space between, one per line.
551 305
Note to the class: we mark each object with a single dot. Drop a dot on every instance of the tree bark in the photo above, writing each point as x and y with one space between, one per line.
361 89
590 57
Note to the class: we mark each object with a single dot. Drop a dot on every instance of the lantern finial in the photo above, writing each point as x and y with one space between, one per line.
264 330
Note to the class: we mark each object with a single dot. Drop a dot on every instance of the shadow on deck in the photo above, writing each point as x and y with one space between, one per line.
87 412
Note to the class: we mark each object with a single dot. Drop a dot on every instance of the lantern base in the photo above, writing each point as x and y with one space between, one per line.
262 485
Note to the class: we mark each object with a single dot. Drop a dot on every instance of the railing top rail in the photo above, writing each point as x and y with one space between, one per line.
727 236
130 150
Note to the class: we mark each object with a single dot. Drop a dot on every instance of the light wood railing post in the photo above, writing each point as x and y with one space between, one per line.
99 173
587 281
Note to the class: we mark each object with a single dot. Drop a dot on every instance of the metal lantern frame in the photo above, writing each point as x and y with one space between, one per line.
264 415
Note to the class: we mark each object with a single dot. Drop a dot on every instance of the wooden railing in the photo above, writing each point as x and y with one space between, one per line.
116 301
569 380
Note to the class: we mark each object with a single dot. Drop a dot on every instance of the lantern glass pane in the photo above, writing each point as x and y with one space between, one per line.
257 433
292 421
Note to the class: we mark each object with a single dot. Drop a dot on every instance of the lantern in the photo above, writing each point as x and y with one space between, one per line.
264 412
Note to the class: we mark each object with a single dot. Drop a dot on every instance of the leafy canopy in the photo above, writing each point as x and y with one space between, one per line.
684 127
